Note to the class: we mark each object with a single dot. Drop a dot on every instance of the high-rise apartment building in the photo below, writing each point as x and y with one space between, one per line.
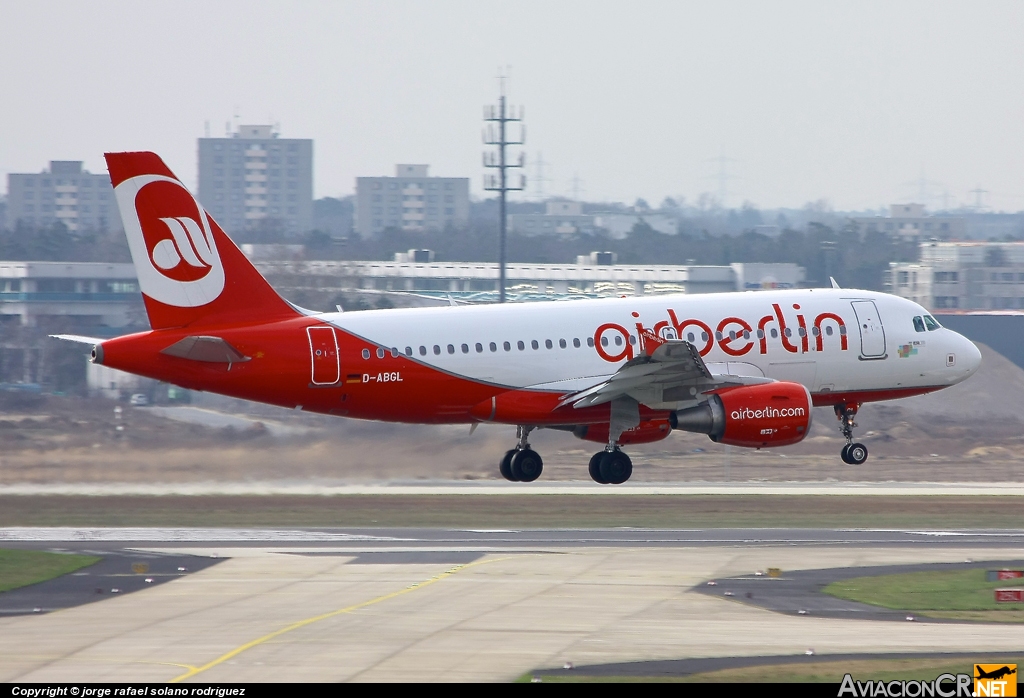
255 178
411 200
77 198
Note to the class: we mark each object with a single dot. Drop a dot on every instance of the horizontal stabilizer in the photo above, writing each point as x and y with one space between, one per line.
77 338
209 349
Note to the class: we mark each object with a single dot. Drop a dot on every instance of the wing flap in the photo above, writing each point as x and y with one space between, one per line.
666 368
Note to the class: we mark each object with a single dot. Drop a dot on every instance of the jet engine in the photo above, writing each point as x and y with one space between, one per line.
754 416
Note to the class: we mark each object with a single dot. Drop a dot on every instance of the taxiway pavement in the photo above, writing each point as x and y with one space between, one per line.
485 605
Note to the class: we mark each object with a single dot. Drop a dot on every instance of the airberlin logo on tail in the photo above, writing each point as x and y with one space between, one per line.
171 241
187 244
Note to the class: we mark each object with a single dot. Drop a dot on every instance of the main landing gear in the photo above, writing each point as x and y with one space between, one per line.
610 467
522 463
853 454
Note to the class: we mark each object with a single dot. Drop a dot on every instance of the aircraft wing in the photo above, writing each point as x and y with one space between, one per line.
665 371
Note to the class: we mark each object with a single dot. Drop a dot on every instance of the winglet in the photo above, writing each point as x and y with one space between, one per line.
834 284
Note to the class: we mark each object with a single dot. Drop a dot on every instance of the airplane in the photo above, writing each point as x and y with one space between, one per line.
745 368
995 674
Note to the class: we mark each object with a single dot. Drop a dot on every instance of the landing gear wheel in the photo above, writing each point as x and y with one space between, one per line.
527 465
506 466
845 454
616 467
595 468
856 454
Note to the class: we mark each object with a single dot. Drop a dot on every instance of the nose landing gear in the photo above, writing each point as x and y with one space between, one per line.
852 454
522 463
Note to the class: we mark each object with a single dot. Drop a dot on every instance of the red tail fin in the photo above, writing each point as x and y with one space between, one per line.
190 272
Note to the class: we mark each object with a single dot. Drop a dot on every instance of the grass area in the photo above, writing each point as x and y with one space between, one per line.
803 672
518 511
961 594
19 568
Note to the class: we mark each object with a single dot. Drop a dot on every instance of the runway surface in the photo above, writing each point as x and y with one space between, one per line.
454 605
493 487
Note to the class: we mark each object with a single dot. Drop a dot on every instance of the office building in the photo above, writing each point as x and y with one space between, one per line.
963 276
910 222
411 200
560 217
255 179
66 193
92 297
594 275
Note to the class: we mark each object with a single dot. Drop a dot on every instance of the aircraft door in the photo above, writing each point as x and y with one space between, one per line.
872 334
323 349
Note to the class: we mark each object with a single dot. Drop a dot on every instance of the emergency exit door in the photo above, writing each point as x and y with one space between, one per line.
323 349
872 334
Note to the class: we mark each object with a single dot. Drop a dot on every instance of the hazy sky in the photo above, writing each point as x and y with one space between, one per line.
851 102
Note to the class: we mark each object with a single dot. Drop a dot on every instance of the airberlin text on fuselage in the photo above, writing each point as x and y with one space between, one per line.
734 336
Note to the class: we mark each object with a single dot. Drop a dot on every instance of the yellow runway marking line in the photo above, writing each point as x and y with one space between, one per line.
324 616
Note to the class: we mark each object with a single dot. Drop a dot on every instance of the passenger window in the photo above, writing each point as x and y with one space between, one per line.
535 344
408 351
618 340
394 352
465 348
931 323
479 348
690 337
918 324
494 347
590 341
548 344
437 349
828 330
451 349
632 339
520 345
366 353
380 352
507 346
576 342
561 343
704 336
604 341
423 351
789 332
775 333
718 336
760 334
802 332
815 331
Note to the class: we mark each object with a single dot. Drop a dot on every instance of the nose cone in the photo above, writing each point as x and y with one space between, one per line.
968 357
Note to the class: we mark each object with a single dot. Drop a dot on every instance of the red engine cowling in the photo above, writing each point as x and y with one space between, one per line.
755 416
645 432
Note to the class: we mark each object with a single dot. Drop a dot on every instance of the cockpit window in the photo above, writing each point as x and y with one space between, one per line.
931 323
918 324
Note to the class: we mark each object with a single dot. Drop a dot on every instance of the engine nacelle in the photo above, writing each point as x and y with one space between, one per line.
754 416
643 433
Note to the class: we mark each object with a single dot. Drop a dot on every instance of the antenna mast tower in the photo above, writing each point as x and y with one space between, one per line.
497 159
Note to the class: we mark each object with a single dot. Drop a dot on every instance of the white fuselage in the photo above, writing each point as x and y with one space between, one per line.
794 335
